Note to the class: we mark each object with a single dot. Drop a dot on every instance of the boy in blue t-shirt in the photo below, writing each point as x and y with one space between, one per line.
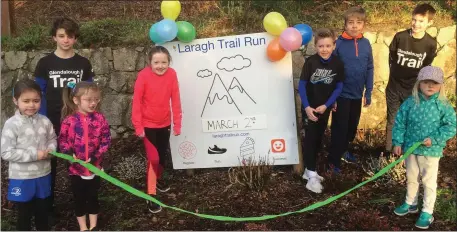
356 53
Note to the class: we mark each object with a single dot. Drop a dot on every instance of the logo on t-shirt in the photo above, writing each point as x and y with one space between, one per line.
410 59
16 191
322 75
61 77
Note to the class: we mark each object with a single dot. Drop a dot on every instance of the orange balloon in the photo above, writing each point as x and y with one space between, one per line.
274 50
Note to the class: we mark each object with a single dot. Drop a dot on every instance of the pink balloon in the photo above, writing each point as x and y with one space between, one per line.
290 39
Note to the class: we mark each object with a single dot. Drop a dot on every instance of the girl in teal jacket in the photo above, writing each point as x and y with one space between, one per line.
426 116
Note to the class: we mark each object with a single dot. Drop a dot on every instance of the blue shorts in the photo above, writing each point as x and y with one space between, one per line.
28 189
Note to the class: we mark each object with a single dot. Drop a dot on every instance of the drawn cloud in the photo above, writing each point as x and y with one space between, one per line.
204 73
237 62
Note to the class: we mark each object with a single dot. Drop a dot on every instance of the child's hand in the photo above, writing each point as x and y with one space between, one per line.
141 135
427 142
310 113
74 157
43 154
334 107
321 109
366 102
87 161
397 150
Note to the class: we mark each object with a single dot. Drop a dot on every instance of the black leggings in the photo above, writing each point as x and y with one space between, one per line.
160 138
36 207
314 131
85 193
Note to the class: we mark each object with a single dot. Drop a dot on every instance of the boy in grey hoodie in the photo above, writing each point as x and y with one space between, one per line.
26 140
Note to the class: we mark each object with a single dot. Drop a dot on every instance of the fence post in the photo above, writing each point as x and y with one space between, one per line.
298 168
7 18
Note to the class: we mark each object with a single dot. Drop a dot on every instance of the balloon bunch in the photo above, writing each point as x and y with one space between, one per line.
290 38
167 29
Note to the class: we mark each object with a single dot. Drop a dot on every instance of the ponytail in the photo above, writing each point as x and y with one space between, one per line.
69 107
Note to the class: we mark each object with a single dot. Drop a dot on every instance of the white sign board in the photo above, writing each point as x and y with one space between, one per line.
236 103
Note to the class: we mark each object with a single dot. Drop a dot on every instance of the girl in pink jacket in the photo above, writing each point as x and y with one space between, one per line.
85 134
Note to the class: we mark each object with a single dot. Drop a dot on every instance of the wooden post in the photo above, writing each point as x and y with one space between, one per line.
6 27
298 168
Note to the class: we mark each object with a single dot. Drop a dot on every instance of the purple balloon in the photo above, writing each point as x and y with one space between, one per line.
290 39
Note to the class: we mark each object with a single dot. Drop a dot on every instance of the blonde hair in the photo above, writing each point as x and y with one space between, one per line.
81 88
442 96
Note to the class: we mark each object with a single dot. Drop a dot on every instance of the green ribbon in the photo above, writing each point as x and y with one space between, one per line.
316 205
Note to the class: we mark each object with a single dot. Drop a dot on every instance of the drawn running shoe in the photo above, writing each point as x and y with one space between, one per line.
216 150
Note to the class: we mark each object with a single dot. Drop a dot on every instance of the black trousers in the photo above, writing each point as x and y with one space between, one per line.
394 99
160 138
36 207
314 131
344 128
85 193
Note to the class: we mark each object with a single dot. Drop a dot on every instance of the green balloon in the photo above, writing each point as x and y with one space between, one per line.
186 31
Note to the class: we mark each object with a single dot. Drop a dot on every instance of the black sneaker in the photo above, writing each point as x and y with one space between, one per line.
162 187
153 207
216 150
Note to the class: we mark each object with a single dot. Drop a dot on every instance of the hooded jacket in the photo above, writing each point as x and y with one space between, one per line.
87 137
356 54
22 138
431 118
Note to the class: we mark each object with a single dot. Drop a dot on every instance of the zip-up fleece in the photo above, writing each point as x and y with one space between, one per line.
430 118
357 56
151 101
85 136
22 138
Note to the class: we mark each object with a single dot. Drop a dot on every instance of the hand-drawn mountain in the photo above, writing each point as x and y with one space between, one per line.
221 95
238 93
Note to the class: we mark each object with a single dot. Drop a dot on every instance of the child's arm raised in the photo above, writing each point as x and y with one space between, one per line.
176 107
137 117
369 80
448 126
9 149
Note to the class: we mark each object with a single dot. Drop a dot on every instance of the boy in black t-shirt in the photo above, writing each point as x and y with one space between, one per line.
320 84
54 71
410 50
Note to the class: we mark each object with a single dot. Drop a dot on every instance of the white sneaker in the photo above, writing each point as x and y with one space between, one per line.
308 174
314 185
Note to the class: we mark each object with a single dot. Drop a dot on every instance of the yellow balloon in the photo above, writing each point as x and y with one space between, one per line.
170 9
274 23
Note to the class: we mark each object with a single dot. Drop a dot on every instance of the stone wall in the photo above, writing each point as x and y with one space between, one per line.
116 69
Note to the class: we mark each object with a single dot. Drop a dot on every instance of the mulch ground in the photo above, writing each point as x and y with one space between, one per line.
209 191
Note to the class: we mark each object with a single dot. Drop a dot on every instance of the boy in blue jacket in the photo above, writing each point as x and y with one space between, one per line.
355 52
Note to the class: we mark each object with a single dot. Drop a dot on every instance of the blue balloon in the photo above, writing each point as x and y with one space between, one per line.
154 36
167 29
306 32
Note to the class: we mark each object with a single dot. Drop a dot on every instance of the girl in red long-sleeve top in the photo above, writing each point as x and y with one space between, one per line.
85 133
155 86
